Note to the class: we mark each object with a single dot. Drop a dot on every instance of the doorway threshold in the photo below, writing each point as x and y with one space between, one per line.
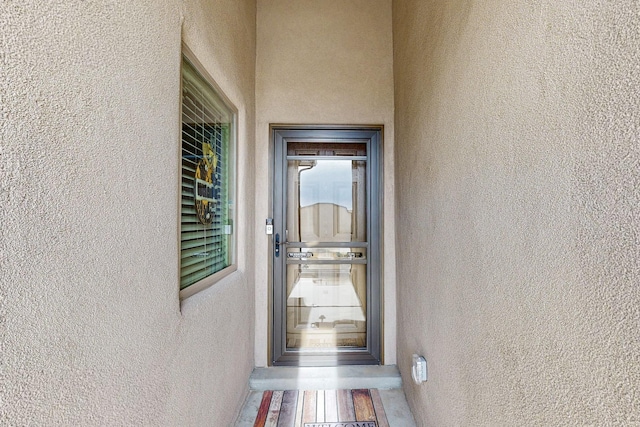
326 378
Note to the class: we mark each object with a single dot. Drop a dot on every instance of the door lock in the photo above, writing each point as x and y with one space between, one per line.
277 243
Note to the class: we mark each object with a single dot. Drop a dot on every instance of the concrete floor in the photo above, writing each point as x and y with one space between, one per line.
384 378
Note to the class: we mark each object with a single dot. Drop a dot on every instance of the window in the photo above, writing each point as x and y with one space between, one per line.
207 183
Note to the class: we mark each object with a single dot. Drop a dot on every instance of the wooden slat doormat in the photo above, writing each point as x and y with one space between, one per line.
321 408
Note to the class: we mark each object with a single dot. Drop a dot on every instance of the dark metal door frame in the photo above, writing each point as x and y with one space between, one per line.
372 137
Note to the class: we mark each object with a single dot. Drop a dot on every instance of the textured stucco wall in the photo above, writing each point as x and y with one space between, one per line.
518 189
323 62
91 328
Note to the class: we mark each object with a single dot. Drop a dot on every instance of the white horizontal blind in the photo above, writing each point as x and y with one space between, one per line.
206 145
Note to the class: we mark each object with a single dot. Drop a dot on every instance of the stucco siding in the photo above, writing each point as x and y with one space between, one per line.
323 62
518 186
91 328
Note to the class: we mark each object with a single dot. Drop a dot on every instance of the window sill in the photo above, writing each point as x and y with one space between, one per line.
207 282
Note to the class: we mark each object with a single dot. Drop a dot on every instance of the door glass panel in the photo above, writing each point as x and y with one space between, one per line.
326 201
326 278
326 306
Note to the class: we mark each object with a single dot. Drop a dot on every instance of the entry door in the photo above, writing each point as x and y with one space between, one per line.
326 248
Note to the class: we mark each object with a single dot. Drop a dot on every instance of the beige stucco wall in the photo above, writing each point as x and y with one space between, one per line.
322 62
518 186
91 327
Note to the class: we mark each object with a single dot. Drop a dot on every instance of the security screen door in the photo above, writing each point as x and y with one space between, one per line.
326 254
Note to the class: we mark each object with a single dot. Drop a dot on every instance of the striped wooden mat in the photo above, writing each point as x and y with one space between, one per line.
311 408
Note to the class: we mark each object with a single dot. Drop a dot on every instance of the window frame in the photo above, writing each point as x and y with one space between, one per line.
210 280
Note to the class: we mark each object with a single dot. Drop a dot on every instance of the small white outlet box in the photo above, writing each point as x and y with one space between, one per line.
419 369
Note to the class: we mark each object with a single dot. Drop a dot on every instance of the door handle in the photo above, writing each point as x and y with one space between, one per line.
277 242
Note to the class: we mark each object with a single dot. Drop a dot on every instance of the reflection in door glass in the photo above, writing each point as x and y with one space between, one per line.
326 201
326 286
326 306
